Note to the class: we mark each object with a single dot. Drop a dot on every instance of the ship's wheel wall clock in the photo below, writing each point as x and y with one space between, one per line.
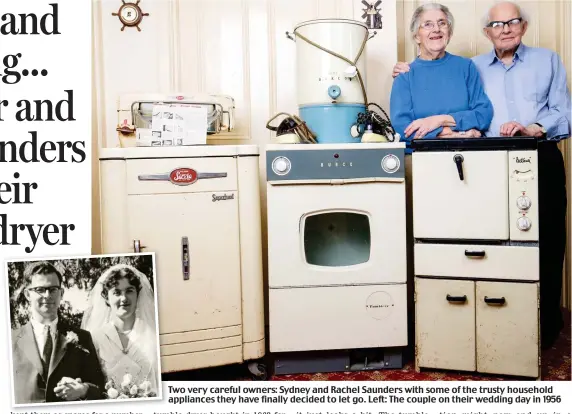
130 14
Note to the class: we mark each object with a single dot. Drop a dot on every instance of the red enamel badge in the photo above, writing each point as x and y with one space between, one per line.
183 176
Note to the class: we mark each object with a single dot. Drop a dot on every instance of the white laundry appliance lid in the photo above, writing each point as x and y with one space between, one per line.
196 151
342 21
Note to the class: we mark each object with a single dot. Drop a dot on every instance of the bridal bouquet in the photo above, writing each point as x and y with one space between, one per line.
129 389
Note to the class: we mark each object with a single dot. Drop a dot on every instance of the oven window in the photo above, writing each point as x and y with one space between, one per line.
337 239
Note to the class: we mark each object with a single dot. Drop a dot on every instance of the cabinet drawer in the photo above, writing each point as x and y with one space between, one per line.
317 318
477 261
445 323
507 328
137 169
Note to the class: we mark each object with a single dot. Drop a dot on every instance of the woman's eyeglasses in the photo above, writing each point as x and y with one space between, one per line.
429 25
41 290
498 25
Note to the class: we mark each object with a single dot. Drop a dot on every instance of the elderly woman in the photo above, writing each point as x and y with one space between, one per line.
442 95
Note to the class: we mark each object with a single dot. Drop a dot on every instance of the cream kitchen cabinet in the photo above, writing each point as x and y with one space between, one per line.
198 209
485 326
476 227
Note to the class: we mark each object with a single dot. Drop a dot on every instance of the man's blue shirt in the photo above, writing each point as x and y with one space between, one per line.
531 90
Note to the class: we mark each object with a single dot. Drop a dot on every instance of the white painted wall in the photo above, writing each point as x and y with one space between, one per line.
232 47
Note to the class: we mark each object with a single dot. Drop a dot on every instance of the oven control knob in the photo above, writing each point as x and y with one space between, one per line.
523 202
523 223
281 165
390 163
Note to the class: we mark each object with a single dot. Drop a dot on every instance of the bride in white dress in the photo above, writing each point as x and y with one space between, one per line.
121 319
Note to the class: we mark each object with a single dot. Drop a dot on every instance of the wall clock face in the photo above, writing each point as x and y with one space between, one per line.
130 15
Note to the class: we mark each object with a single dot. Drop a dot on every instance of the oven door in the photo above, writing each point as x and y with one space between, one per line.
330 235
461 195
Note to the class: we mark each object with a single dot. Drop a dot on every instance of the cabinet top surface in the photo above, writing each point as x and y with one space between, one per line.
178 152
310 147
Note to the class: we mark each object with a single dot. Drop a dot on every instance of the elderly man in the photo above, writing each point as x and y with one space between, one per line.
528 90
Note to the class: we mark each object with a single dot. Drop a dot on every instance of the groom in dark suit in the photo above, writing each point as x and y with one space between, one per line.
51 360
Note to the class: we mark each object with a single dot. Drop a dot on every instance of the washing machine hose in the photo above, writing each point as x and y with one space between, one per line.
354 63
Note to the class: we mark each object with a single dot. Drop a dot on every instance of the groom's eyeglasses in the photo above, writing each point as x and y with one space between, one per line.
41 290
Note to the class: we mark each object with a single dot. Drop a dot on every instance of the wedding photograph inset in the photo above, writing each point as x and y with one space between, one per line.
84 329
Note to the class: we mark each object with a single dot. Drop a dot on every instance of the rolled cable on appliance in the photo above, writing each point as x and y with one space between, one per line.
383 124
301 129
305 133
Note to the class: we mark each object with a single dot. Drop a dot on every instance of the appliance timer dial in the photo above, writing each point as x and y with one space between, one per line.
523 202
281 165
390 163
523 223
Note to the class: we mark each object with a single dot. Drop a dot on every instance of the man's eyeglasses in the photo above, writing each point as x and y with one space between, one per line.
429 25
41 290
498 25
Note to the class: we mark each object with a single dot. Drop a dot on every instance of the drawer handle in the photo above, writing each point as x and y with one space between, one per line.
458 159
185 258
460 299
168 177
475 253
495 301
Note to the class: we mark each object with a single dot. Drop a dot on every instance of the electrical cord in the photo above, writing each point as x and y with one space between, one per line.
292 124
379 124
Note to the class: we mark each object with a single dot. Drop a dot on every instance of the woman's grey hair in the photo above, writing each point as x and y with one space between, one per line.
521 12
416 18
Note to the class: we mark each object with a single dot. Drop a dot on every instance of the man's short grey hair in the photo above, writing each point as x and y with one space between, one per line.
521 12
416 18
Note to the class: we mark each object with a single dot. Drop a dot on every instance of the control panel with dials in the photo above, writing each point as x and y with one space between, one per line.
335 164
523 195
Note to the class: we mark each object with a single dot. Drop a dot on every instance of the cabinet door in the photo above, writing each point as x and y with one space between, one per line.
507 328
447 205
445 323
324 235
210 297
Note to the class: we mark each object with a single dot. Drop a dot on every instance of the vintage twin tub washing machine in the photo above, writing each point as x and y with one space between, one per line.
336 234
336 220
